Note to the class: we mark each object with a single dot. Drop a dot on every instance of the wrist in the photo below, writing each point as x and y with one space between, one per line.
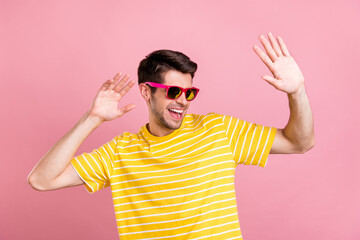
92 120
298 93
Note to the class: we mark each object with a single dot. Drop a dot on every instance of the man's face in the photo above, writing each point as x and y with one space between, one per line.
163 109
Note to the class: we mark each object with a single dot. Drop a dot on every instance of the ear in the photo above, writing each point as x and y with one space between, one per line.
145 91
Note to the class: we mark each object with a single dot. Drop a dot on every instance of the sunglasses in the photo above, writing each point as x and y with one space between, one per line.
174 92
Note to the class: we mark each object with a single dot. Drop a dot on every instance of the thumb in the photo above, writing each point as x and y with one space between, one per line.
271 80
126 109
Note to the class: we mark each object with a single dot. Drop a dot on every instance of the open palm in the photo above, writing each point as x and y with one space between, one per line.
105 105
287 76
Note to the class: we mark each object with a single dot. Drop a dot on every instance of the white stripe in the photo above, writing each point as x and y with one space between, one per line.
107 153
177 196
133 139
112 150
182 219
189 146
212 181
130 153
237 140
196 118
252 138
93 169
257 147
170 189
88 176
242 148
179 219
228 125
169 169
176 204
162 143
202 117
186 210
107 167
171 139
195 128
81 176
191 224
157 164
234 130
238 237
216 234
208 121
182 135
265 147
213 149
141 145
96 162
167 190
196 231
179 156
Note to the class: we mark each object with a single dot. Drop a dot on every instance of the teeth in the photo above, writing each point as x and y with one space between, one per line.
177 111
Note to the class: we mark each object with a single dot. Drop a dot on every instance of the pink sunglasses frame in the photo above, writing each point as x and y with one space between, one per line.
183 90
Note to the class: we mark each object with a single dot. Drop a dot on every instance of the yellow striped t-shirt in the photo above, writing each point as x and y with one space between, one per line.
180 186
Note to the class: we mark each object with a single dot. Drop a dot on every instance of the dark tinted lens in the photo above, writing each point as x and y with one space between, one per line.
174 92
191 94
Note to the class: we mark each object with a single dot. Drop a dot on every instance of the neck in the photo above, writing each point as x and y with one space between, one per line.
158 130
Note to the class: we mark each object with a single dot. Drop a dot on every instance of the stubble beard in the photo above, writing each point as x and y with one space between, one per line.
160 116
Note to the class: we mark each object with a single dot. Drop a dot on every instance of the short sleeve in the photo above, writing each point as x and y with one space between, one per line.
95 168
250 143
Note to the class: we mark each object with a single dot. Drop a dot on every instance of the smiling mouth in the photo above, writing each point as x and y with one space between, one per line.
176 113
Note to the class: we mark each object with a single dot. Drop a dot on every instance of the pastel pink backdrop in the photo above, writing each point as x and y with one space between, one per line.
54 55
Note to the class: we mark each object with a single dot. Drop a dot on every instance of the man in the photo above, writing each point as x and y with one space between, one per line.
175 178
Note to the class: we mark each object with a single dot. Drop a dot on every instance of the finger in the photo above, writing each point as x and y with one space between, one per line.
268 48
263 57
122 82
275 45
126 109
127 87
117 77
283 46
105 85
271 80
113 81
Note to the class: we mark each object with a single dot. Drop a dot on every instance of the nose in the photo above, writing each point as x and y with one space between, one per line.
182 99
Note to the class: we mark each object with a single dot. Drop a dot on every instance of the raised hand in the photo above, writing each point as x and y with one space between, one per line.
105 105
287 76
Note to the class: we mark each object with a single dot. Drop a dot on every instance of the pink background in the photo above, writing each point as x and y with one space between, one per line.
54 55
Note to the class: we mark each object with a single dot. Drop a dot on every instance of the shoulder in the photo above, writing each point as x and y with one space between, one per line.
127 138
207 120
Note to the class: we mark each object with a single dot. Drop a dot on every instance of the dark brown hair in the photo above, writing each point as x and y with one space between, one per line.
154 66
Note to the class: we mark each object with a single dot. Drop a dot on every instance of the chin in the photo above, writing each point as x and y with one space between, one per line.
172 123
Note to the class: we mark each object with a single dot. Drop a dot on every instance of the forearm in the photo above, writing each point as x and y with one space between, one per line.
55 161
300 128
